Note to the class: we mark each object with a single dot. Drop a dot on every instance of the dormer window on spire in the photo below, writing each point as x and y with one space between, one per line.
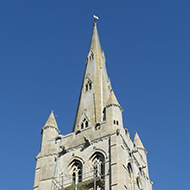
88 85
90 56
84 123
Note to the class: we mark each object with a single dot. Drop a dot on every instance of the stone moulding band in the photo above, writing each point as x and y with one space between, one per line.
53 127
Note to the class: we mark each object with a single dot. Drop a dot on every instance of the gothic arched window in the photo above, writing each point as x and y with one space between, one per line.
98 163
84 123
88 86
91 56
129 168
76 171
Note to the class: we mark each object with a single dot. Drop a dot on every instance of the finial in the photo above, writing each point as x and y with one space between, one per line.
95 18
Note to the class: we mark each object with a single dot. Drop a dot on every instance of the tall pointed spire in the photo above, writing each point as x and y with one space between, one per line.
96 86
95 45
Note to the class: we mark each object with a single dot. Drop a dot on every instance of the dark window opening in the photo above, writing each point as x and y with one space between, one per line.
115 122
74 176
104 114
86 87
86 124
97 127
82 125
129 169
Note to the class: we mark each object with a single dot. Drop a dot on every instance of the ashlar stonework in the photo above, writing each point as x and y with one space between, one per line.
99 153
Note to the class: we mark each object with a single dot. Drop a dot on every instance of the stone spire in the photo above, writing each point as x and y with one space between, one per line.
51 121
138 142
96 86
113 100
113 111
50 129
95 45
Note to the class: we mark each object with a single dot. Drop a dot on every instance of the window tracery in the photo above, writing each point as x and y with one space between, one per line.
98 163
76 171
84 123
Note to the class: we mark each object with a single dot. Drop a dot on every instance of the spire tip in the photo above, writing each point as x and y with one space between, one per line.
95 19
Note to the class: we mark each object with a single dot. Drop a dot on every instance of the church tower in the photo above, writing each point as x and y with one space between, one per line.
98 154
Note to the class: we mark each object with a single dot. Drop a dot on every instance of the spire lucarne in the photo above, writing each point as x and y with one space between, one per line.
96 86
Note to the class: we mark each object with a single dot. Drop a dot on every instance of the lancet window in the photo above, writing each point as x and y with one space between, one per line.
84 123
115 122
98 163
104 114
76 171
88 86
91 56
129 168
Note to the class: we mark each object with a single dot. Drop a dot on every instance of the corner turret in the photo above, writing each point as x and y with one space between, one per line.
113 111
45 160
50 129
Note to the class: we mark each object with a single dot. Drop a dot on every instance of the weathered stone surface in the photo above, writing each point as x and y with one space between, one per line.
99 152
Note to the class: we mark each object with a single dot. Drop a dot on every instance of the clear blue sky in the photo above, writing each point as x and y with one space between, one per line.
43 49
